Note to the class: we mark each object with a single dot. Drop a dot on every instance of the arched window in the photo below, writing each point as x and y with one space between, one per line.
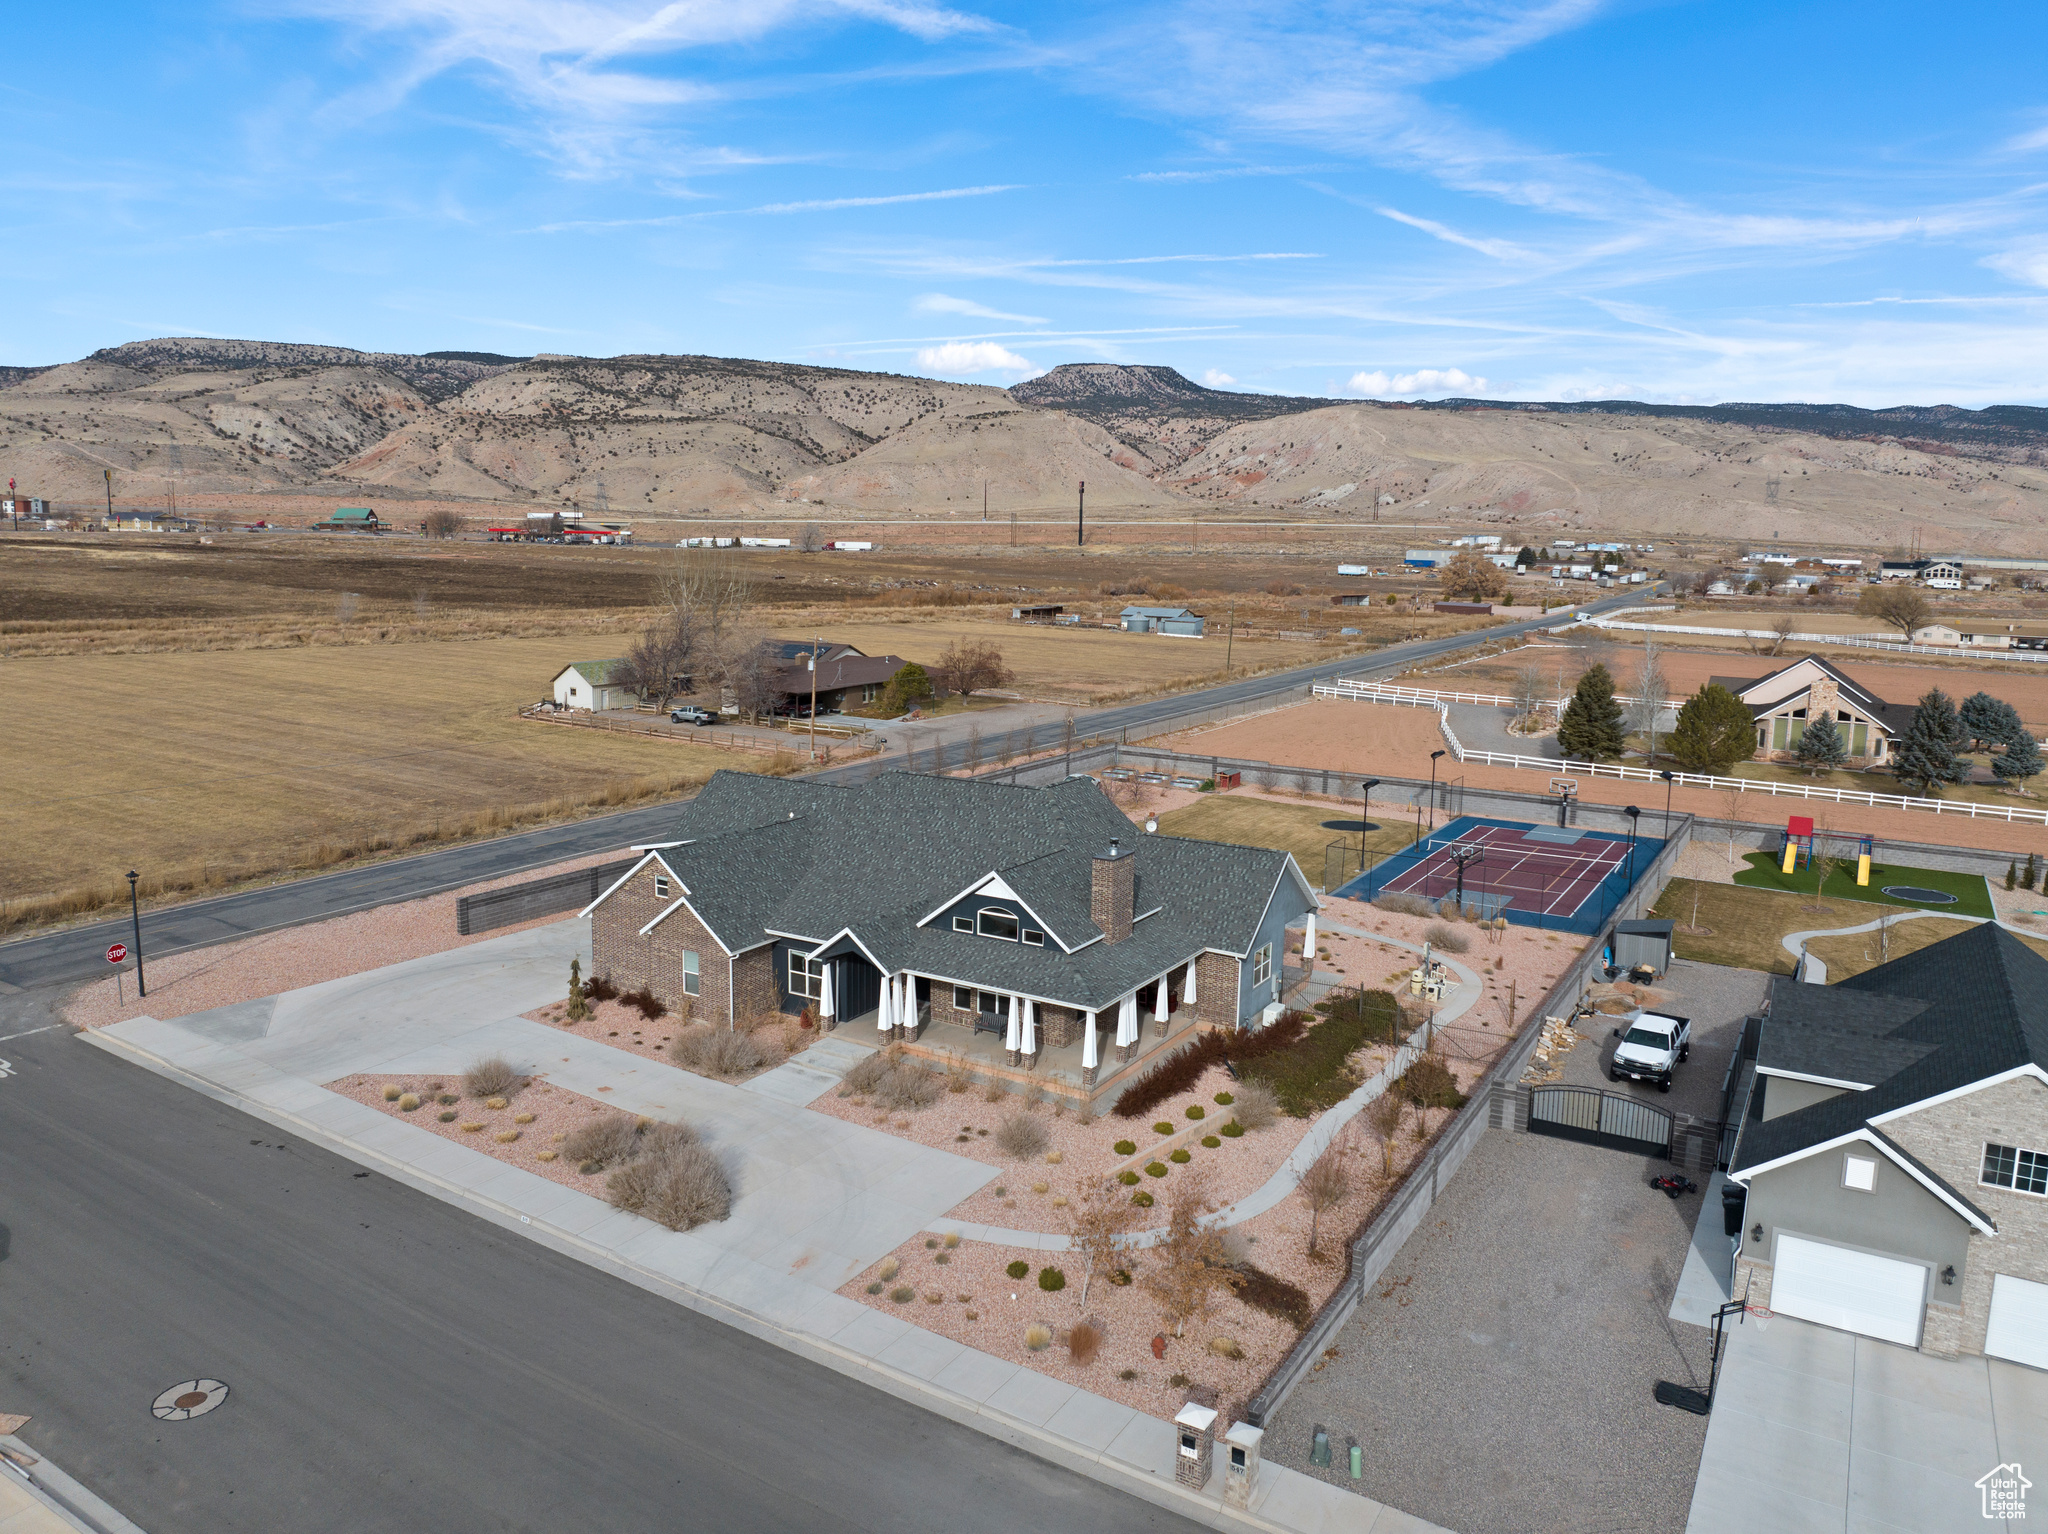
996 922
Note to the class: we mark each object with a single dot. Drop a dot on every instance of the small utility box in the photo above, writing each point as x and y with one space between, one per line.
1196 1446
1229 780
1643 943
1241 1469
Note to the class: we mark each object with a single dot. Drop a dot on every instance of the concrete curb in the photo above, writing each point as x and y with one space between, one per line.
76 1506
1124 1475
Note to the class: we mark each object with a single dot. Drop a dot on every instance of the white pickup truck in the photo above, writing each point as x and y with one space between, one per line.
1651 1048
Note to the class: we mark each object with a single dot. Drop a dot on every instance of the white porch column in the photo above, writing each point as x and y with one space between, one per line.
825 999
1029 1033
1089 1058
1159 1005
1012 1034
885 1007
1187 994
906 1006
1126 1026
1308 942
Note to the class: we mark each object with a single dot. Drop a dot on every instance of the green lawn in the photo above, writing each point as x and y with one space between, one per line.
1743 928
1973 895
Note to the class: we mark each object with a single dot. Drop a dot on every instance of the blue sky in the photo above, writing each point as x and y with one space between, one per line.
1668 201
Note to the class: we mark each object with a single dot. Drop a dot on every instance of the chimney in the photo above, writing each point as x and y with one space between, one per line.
1110 892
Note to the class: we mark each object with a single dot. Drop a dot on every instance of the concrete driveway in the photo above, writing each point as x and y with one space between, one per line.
1815 1431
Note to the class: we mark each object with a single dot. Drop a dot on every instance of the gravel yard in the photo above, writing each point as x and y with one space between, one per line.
1717 999
1499 1373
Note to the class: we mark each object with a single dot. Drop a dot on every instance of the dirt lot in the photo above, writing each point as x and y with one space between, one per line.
1378 738
254 759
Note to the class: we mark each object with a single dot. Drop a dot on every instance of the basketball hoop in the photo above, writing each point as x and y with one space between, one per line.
1565 788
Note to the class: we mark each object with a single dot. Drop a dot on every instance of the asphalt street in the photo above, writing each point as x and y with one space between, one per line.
394 1364
77 953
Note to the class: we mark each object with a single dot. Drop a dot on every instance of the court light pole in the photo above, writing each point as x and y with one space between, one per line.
1634 815
1666 775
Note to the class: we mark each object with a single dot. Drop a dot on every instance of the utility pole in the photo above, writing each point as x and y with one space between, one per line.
135 911
984 500
815 642
1081 517
1013 524
109 473
1229 639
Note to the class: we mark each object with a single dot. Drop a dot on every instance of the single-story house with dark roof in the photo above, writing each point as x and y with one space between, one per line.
1894 1149
350 519
1782 702
844 676
914 905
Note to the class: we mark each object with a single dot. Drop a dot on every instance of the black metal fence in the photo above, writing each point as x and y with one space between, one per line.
1596 1117
516 903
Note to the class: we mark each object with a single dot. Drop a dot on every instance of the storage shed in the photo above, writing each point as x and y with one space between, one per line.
1643 942
1161 620
588 684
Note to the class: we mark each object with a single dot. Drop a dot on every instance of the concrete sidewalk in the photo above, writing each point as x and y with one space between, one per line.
816 1199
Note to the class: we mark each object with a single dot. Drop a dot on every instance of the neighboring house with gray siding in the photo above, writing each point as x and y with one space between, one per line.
914 902
1894 1149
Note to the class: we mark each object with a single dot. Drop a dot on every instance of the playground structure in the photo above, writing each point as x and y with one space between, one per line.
1800 846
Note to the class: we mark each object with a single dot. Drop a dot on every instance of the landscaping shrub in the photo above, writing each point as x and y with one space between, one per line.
681 1188
606 1140
1231 1130
666 1138
903 1295
408 1102
1210 1142
868 1073
1155 1169
1037 1336
1449 939
1022 1136
958 1077
492 1076
1179 1071
1051 1280
1018 1268
447 1115
1429 1083
1084 1342
1257 1106
1224 1099
1126 1148
1181 1157
1162 1127
597 988
1142 1199
1197 1111
1275 1296
1128 1178
1403 905
888 1270
1314 1072
649 1005
713 1051
908 1087
392 1091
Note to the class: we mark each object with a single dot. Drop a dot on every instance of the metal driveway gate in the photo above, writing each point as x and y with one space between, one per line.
1600 1118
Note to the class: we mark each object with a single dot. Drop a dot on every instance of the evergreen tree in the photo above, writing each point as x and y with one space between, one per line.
1526 558
1983 720
1713 733
1820 747
2031 873
2012 874
2020 760
1926 755
1591 727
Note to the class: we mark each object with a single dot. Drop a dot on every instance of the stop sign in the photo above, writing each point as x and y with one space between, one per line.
116 952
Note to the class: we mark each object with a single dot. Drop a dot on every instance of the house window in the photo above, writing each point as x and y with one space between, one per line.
1860 1173
998 923
1778 726
963 998
2024 1171
661 887
1262 965
689 972
1859 739
870 692
963 924
805 975
1035 938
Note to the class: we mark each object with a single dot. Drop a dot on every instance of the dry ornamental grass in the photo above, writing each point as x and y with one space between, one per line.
1022 1136
492 1076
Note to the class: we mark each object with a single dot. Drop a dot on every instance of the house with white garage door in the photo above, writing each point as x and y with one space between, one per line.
1894 1149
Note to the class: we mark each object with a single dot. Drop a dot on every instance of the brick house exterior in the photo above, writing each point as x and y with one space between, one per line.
778 894
1894 1151
1784 701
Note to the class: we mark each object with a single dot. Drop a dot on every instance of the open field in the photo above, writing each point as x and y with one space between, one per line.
225 765
1296 828
1847 956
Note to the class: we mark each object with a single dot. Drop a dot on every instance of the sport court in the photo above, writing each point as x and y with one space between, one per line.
1556 877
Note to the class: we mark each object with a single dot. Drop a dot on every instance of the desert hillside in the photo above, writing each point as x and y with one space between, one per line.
681 435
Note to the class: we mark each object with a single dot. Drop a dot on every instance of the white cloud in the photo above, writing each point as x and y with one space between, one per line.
1216 378
2028 264
958 359
823 204
1500 250
1379 384
945 303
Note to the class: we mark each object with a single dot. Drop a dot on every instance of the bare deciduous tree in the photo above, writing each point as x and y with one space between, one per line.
1186 1270
972 758
345 608
1531 692
1328 1183
967 666
810 540
1651 688
1897 604
441 523
1099 1225
1782 630
1383 1118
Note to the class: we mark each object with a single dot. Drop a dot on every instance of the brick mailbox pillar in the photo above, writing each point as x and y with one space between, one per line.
1195 1447
1241 1469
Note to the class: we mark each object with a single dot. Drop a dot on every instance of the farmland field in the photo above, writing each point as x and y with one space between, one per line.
252 759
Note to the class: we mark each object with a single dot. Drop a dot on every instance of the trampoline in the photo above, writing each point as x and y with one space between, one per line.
1918 895
1350 825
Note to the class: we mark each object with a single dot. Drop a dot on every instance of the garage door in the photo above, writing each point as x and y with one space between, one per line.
2019 1321
1876 1296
